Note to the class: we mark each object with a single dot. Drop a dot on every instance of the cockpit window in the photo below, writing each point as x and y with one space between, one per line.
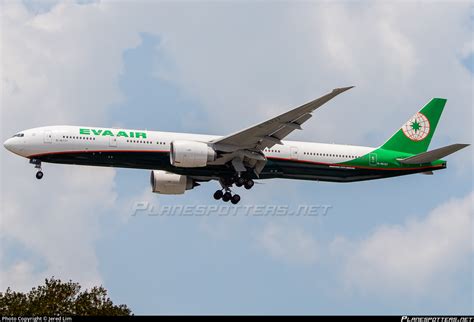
19 135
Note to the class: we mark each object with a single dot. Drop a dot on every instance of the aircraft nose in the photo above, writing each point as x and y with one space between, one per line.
8 144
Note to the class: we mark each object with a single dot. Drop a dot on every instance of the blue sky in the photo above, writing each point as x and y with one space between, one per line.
389 246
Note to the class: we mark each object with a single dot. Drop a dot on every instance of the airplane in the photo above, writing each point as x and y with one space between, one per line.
181 161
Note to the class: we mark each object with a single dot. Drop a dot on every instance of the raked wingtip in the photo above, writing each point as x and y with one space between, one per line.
342 89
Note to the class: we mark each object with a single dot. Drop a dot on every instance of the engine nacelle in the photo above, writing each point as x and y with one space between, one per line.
191 154
170 183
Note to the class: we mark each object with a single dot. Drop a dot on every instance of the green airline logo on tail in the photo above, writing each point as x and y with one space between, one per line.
417 128
416 134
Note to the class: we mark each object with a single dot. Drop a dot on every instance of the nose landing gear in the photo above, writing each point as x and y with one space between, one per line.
37 163
39 175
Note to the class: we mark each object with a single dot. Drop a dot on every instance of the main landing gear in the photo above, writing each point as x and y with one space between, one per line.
226 195
37 163
247 183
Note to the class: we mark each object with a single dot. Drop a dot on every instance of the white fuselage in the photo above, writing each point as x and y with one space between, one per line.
63 139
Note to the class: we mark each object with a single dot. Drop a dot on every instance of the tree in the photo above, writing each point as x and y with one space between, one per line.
56 298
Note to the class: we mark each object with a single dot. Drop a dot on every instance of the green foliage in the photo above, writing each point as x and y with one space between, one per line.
56 298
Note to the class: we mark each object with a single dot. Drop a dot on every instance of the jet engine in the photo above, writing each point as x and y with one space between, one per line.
191 154
170 183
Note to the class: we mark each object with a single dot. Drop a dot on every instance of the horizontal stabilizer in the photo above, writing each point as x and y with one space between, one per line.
433 155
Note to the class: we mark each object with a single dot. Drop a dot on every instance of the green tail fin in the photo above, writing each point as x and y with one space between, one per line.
415 135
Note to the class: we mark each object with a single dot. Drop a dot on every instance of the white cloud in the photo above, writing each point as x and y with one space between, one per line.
19 275
420 257
57 220
58 67
416 257
61 66
398 56
288 243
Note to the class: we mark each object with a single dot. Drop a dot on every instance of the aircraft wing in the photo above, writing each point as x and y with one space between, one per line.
272 131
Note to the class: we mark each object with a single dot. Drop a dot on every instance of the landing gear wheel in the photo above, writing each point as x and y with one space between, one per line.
39 175
235 199
240 182
218 194
249 184
227 196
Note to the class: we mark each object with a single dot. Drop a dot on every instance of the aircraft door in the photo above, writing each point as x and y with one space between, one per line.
294 153
113 141
372 159
48 137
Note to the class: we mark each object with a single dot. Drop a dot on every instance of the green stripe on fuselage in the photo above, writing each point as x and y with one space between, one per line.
387 159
